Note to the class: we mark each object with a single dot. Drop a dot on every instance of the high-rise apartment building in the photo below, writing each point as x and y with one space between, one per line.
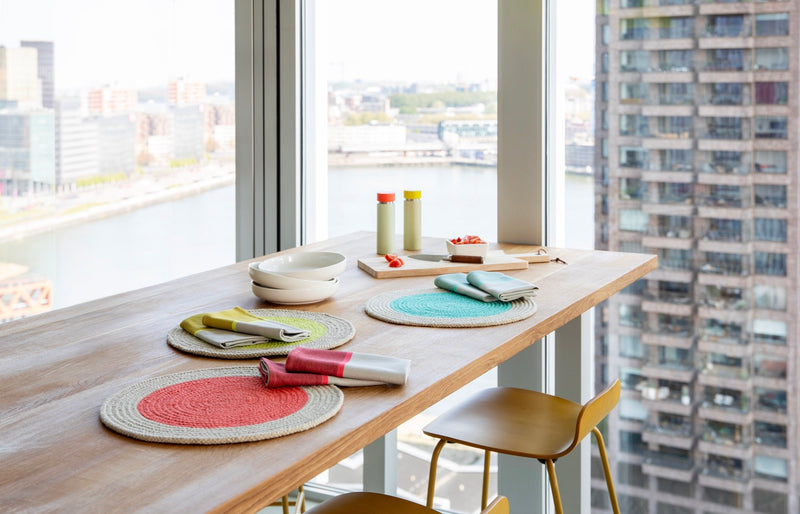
697 161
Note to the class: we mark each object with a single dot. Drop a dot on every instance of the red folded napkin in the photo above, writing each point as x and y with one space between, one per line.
361 366
274 374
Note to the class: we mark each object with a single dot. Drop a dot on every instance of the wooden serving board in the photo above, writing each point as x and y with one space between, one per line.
379 268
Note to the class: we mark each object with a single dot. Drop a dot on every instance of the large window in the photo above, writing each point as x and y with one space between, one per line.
116 146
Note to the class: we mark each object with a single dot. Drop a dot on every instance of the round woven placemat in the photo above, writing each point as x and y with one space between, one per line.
216 406
326 332
438 308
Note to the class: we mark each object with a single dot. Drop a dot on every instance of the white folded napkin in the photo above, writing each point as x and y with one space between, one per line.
457 283
501 286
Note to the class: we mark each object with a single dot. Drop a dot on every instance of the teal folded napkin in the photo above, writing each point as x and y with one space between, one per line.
501 286
457 283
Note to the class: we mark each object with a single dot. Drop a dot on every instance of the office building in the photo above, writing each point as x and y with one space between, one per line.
76 144
112 99
27 152
45 69
19 78
184 92
697 162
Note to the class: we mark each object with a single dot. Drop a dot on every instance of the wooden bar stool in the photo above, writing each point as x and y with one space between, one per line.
527 424
372 503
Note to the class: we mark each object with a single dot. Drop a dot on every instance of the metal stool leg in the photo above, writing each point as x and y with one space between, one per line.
432 475
487 463
612 494
551 472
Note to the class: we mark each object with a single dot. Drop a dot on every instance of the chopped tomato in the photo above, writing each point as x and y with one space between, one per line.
467 240
390 257
396 262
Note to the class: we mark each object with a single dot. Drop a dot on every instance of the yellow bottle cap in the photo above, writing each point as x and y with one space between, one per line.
412 195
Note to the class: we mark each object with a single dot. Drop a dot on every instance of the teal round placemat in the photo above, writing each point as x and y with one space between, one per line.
438 308
326 332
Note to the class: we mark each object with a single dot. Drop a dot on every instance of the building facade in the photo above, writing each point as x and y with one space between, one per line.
697 161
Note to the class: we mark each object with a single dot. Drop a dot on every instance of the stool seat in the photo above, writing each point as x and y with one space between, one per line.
372 503
524 423
511 421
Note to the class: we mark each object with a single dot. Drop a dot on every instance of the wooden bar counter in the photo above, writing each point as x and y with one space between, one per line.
57 369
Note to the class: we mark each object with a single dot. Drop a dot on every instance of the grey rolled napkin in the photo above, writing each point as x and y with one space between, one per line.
457 283
501 286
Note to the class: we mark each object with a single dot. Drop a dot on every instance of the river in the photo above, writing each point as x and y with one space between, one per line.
193 234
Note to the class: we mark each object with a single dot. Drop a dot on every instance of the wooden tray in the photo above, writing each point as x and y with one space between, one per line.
495 261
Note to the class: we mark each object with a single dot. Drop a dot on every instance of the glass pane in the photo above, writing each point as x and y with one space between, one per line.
411 93
701 169
116 148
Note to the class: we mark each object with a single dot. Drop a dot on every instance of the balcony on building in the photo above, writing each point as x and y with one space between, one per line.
769 263
770 196
668 231
676 93
770 400
728 473
724 298
634 4
723 370
726 264
731 334
723 196
669 430
671 259
725 404
769 162
633 158
727 25
672 364
770 434
666 395
725 128
671 463
770 229
771 127
667 292
769 332
726 439
633 93
730 236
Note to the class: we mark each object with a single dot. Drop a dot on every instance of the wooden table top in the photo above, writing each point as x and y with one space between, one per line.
57 369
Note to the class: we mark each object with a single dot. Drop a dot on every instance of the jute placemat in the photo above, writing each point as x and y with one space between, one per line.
216 406
438 308
326 332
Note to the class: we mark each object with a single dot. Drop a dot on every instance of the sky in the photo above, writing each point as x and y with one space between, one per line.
140 43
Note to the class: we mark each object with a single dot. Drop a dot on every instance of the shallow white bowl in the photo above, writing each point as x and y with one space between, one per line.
279 280
306 265
465 249
325 289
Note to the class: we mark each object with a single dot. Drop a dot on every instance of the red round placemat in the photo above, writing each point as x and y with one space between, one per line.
215 406
221 402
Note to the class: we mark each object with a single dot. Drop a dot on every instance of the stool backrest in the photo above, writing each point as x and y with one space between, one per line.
595 410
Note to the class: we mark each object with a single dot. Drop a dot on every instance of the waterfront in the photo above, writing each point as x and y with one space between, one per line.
191 234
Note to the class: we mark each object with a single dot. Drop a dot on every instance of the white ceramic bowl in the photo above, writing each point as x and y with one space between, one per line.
306 265
324 289
467 249
279 280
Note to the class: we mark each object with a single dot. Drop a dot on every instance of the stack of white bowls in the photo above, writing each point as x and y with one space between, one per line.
297 279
